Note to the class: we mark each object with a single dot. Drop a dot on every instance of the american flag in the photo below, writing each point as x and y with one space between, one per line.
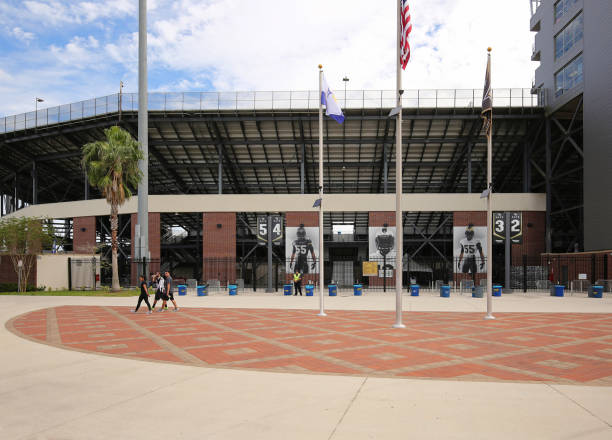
487 100
405 29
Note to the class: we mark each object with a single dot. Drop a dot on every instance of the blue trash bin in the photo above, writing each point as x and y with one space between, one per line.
202 290
233 289
558 289
357 288
182 289
333 290
288 289
497 290
309 289
414 290
445 291
477 292
597 291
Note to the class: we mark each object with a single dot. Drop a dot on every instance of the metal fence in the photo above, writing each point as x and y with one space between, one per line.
84 273
272 100
527 274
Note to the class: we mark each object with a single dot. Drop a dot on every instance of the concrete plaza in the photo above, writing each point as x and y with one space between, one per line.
265 366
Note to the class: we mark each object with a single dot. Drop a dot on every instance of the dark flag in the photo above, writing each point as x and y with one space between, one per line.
487 100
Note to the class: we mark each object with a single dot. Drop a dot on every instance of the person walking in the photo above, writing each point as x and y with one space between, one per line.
144 295
160 292
297 282
169 290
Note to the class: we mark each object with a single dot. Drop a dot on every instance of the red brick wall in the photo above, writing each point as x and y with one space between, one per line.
464 218
219 246
308 219
380 218
154 241
8 274
593 264
84 235
534 237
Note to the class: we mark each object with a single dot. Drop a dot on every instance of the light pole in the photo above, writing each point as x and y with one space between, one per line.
345 79
36 101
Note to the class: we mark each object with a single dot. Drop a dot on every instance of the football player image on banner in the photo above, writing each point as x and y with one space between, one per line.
302 249
382 245
470 247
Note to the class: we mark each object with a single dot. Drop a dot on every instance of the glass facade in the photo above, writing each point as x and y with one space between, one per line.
562 7
570 35
568 77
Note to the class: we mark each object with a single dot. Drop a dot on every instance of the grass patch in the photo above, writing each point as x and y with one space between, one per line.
101 292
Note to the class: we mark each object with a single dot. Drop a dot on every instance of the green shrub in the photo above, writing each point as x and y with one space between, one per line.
12 287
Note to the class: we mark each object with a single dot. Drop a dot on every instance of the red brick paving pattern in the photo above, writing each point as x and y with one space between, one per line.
540 347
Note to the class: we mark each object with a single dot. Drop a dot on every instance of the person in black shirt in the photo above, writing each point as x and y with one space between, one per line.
144 295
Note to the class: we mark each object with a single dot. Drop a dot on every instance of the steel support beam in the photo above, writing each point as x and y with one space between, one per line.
548 188
34 184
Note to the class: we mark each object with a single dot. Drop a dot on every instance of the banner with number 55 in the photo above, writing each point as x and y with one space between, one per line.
302 249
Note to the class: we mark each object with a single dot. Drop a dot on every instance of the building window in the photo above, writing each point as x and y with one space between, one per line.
562 7
570 35
568 77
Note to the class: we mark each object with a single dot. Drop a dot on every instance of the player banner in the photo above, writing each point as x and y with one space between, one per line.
382 245
302 249
469 249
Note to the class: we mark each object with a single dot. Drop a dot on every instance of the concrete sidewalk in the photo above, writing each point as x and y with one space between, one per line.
50 393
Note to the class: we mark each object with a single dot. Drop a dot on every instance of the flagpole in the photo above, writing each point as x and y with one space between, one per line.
489 213
399 234
321 251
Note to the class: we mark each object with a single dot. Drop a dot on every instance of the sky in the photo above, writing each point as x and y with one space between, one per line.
70 50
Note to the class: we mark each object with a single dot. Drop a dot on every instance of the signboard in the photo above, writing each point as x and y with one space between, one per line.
469 249
262 229
516 227
302 249
382 245
385 273
370 268
582 276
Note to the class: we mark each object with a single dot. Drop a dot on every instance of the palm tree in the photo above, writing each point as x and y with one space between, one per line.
112 167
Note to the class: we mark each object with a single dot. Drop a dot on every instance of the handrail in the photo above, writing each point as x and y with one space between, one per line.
266 100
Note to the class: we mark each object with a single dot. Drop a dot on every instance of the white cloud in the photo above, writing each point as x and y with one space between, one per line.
269 45
53 12
273 44
80 53
22 35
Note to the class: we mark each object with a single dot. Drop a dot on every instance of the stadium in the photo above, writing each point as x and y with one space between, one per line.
218 161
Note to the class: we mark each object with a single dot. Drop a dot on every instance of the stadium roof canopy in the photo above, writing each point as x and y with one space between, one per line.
264 142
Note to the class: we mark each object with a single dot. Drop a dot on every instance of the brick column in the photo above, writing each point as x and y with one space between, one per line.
84 235
463 219
379 219
219 247
154 242
308 219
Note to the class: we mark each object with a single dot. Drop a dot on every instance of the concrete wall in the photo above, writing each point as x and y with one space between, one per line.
52 269
597 125
293 202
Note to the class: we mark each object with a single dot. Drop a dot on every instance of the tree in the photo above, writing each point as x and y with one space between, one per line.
112 167
22 238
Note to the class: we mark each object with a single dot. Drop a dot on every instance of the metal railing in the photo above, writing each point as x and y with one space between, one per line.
289 100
